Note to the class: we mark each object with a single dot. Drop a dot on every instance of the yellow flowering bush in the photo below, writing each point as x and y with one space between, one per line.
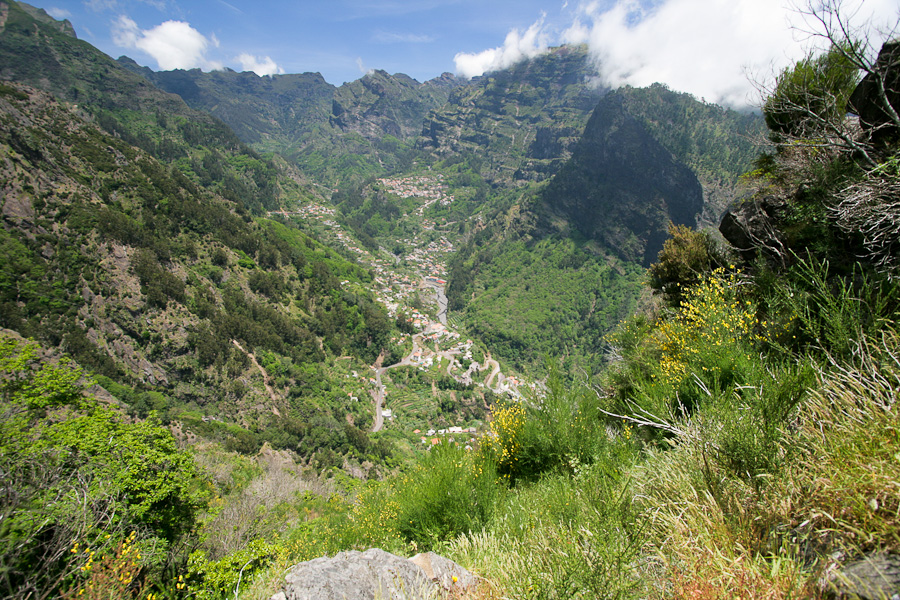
107 575
711 332
505 437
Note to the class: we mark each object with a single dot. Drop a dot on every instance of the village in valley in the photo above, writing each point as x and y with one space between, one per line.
411 287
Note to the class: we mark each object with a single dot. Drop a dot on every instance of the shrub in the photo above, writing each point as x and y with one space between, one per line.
547 433
452 491
566 536
685 258
74 472
211 580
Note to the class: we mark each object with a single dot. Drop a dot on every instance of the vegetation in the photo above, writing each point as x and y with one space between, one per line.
741 433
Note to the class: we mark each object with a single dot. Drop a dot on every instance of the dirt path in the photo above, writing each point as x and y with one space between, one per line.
266 379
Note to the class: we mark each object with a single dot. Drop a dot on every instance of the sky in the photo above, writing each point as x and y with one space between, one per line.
713 49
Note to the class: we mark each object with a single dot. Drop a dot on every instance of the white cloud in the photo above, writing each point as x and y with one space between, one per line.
710 48
362 66
517 46
157 4
58 13
173 44
101 5
260 66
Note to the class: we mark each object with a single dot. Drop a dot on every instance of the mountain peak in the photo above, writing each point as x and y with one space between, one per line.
40 15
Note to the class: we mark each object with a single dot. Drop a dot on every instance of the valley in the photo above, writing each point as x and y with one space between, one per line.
584 342
412 288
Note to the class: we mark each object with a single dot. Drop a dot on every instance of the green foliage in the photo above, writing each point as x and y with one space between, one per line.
449 492
80 477
567 536
28 387
818 310
686 256
557 432
141 462
811 95
550 298
223 578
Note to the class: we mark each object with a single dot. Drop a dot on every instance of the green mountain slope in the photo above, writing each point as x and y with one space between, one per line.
717 144
560 263
521 121
136 242
156 283
621 187
129 242
124 104
337 135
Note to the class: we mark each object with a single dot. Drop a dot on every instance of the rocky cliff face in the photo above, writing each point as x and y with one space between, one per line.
524 120
335 134
381 104
621 187
268 111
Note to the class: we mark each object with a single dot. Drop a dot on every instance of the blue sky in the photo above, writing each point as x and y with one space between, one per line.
706 47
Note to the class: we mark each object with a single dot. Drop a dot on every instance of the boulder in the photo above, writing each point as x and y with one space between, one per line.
374 574
872 577
750 227
867 100
444 572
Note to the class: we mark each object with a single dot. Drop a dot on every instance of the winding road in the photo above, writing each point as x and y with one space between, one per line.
378 392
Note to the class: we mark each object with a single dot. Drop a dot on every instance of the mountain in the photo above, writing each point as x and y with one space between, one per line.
555 191
126 105
621 187
559 263
522 121
338 135
167 288
129 242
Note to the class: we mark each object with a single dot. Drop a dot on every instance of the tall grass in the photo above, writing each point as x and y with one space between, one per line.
845 489
563 537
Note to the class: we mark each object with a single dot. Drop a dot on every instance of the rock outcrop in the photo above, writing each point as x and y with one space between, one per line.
868 100
751 227
873 577
373 574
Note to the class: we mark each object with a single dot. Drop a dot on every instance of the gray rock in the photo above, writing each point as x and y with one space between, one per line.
751 227
374 574
873 577
444 572
867 101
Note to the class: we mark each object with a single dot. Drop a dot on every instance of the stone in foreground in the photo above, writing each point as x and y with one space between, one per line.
375 574
872 577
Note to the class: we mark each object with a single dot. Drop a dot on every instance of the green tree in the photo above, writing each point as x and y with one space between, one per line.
686 256
809 100
74 474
